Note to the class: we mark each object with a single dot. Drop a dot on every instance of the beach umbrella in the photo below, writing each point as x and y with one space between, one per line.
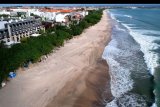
12 75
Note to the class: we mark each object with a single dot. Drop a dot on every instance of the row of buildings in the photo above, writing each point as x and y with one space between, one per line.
13 29
56 15
13 32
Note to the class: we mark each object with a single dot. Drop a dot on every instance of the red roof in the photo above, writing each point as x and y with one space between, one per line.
54 10
66 11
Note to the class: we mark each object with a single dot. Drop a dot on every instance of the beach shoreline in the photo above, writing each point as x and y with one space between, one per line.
89 89
43 84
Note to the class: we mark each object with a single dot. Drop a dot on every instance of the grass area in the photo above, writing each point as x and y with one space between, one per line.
31 49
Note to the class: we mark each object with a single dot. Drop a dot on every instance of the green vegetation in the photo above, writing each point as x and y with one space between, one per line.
34 15
4 15
20 14
31 49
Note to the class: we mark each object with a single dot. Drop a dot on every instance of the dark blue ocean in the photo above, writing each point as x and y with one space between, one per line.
133 56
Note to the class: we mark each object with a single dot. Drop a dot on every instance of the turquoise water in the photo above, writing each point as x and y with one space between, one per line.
135 48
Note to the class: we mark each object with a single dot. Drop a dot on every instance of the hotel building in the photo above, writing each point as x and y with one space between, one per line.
15 31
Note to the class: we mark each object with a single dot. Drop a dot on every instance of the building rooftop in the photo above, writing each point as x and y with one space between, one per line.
2 24
21 21
56 10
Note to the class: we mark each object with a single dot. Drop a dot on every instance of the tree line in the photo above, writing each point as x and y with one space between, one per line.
31 49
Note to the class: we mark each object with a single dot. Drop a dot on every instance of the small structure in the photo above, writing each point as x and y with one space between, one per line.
12 75
3 84
35 35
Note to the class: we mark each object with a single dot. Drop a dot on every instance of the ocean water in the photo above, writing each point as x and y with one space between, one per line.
133 56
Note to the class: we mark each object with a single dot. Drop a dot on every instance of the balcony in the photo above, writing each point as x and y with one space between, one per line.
13 34
7 36
20 31
1 36
17 32
13 29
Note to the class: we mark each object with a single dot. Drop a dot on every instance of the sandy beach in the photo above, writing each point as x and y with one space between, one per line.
72 76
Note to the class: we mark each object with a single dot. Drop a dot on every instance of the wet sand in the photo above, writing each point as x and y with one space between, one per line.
72 76
89 89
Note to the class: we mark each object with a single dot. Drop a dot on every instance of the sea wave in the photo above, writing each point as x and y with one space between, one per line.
128 16
120 76
121 81
118 54
154 105
128 100
147 44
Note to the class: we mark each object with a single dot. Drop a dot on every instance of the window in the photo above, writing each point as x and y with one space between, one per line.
13 38
8 40
17 38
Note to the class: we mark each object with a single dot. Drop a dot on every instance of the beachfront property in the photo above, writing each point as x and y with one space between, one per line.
13 32
57 15
48 24
21 22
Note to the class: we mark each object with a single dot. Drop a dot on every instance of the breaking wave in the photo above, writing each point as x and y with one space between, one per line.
122 56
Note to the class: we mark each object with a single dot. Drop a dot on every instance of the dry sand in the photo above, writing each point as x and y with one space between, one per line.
73 76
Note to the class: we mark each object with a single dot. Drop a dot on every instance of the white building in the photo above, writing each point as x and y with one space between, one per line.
13 32
61 17
44 15
2 23
83 13
48 15
4 12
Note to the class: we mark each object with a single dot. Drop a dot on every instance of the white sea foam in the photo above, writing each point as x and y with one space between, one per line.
128 100
129 24
112 103
113 16
147 45
128 16
143 31
118 28
120 78
121 81
154 105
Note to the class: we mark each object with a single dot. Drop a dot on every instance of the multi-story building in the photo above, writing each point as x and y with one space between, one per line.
14 31
4 34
